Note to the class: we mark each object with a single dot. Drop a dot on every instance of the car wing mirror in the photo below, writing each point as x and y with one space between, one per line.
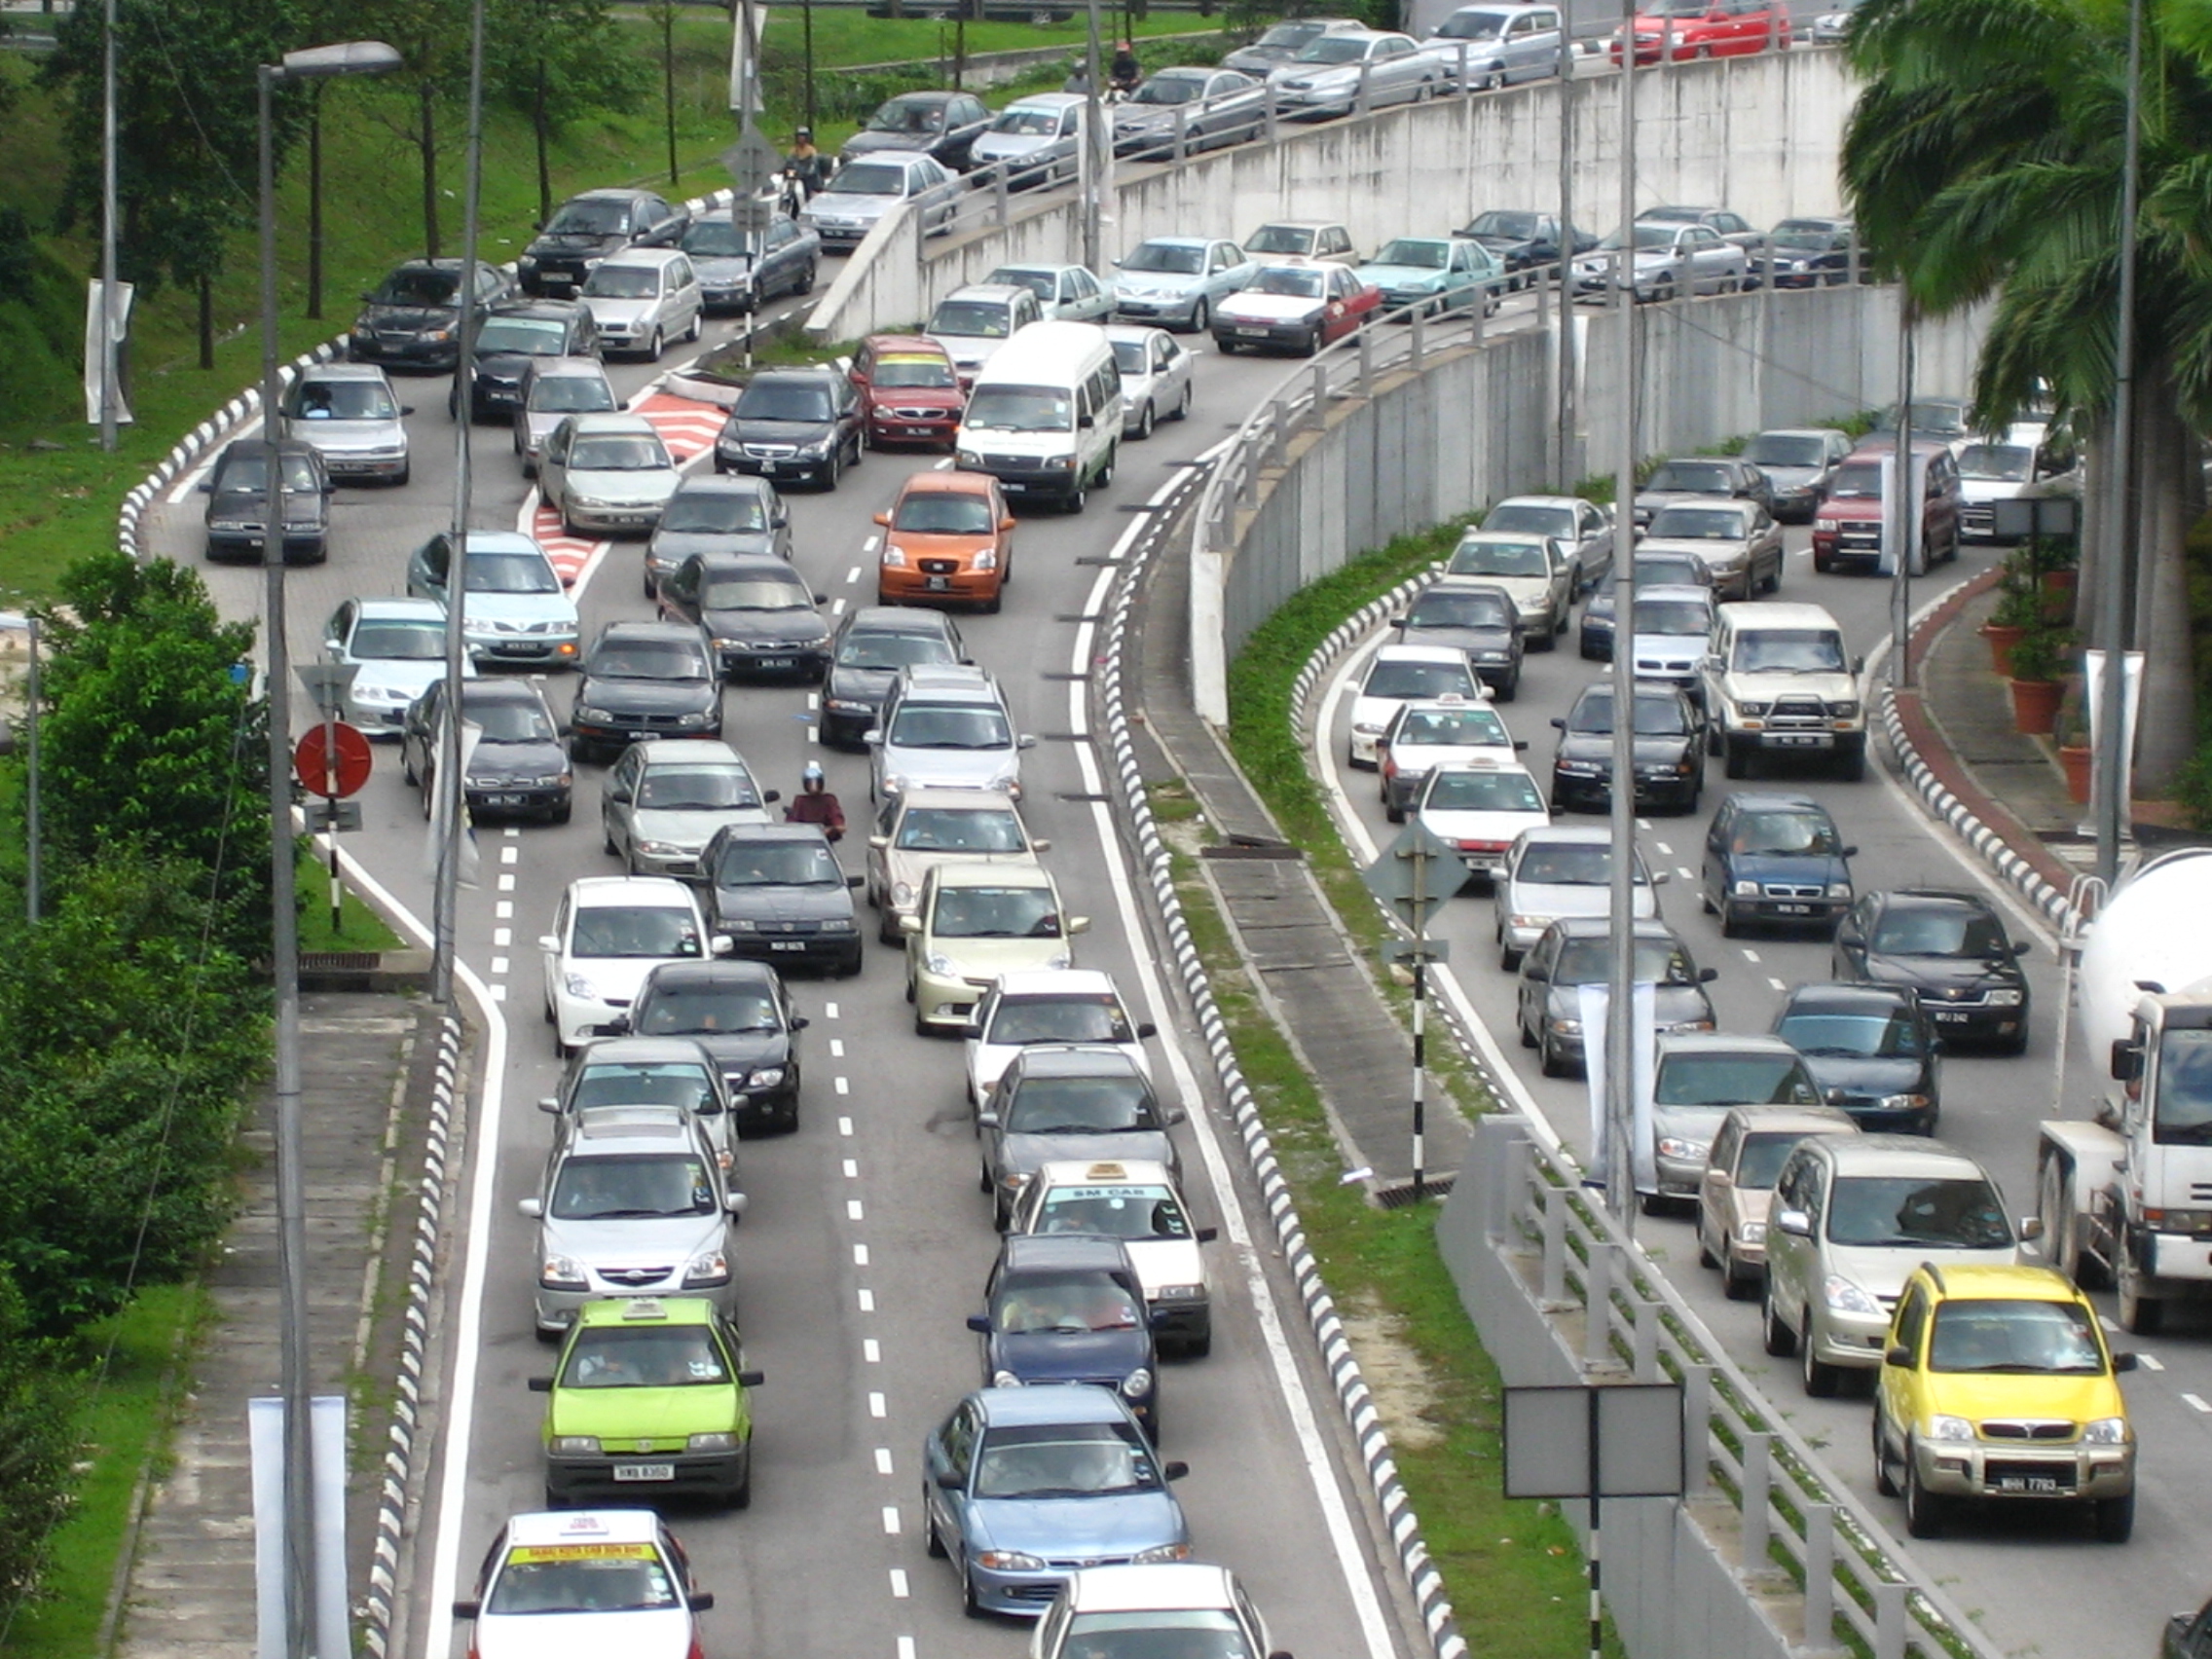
2031 1228
734 1202
1660 877
2021 949
1146 1028
1040 843
1174 1470
540 1385
1900 1356
1706 975
872 737
2125 1361
779 519
1794 1222
878 842
530 1209
1858 665
822 598
702 1601
980 1323
724 944
972 1031
1207 1235
1028 740
618 792
1849 853
854 881
800 1022
883 519
987 1119
1079 924
547 1103
466 1609
909 924
948 1479
1559 722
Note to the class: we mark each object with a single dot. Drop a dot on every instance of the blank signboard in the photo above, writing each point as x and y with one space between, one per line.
1640 1441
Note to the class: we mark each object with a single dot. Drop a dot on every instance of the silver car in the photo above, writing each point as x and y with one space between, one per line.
1034 138
1176 281
1156 377
643 299
1285 41
1582 527
663 801
945 725
1333 74
1798 463
396 648
1698 1079
1499 44
1207 106
1560 870
1669 259
552 388
515 609
1065 294
347 414
855 202
608 473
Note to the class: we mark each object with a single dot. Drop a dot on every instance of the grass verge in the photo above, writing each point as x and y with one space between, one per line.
359 927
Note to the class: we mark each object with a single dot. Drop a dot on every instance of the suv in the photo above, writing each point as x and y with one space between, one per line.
1738 1183
908 390
1560 870
1852 1217
2027 464
1778 682
873 643
777 892
1949 946
1697 1079
1775 859
1062 1101
585 229
1996 1382
642 681
1851 526
1066 1309
945 725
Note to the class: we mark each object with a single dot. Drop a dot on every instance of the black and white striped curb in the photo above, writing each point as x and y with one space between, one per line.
400 1458
1352 1395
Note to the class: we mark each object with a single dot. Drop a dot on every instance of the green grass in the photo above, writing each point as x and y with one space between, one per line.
360 929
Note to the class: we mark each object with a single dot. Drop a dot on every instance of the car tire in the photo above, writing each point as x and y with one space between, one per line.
931 1544
806 277
2115 1519
1923 1509
556 1499
992 604
835 470
692 334
1201 315
1546 640
562 813
969 1607
1392 811
1730 927
1885 1483
984 1182
653 347
1312 342
1183 404
1511 688
1821 1379
1076 499
1778 1339
1547 1059
1736 758
741 1495
1145 422
1198 1347
1423 93
1734 1284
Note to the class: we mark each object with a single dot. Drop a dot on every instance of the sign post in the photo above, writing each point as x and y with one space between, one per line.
331 759
1410 881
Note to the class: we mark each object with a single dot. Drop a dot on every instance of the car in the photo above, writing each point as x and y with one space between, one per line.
1478 617
608 933
2028 464
1973 1357
1948 946
346 412
643 299
740 1012
1069 1309
1063 1102
972 922
1575 951
1703 479
909 390
1479 806
920 827
1399 674
1665 260
1066 293
1428 732
945 725
739 271
1853 525
1809 252
1322 241
663 802
1194 107
941 124
947 539
971 323
636 1373
1536 572
1697 1078
613 1074
1562 870
609 473
517 768
642 681
1525 242
871 644
517 609
1775 860
1176 281
1871 1049
412 319
632 1202
396 648
1830 29
1279 43
717 512
1033 140
1496 45
1670 634
623 1580
1658 569
236 487
1739 542
1139 1205
1734 1193
1156 377
800 424
1680 30
1947 420
588 227
1295 308
1728 226
1018 1479
855 202
1154 1605
1581 525
1054 1006
1851 1218
1666 741
760 616
551 389
776 892
1344 74
1433 275
1799 464
512 338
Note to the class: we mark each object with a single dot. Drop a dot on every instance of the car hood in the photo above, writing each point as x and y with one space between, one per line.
1978 489
1166 1261
570 242
741 1051
1793 477
1249 307
1025 1154
1548 899
2030 1395
480 608
887 143
752 429
658 1633
1117 1526
1938 975
792 627
1069 1356
1468 824
1669 653
647 696
1865 1077
1850 508
674 546
1295 75
1524 591
637 1242
905 867
1882 1269
618 312
1781 867
947 547
616 978
985 959
644 486
1157 284
1688 1122
1671 1005
1403 276
719 269
870 685
347 437
645 1413
534 757
411 319
301 507
410 679
1503 246
952 769
824 902
1012 146
1599 746
1705 548
1425 756
942 397
1462 639
691 830
850 208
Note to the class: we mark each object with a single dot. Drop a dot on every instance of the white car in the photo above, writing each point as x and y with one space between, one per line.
1055 1005
1428 732
396 647
1565 870
586 1581
1400 674
1137 1203
642 298
1142 1608
1156 377
1068 293
609 932
1481 808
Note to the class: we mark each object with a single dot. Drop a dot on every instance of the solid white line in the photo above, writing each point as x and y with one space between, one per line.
883 1460
871 1352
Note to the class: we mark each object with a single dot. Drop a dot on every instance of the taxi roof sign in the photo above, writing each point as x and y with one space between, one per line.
644 1307
1106 1172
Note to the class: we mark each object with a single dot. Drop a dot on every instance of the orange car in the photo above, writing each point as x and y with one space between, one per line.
948 540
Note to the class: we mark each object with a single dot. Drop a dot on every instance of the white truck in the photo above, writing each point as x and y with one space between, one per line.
2125 1196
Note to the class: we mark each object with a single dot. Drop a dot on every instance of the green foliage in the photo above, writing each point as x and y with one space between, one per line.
41 315
2042 652
38 1443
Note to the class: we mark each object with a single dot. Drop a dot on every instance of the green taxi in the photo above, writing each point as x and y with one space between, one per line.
650 1401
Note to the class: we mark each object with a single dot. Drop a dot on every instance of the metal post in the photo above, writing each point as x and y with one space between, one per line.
1758 1459
1182 134
1620 1031
1900 506
806 37
1555 1246
1094 123
2109 789
1360 103
330 796
1417 331
1596 1582
32 839
1597 1306
1565 439
1270 109
1697 1427
1820 1576
108 398
1421 1012
1462 87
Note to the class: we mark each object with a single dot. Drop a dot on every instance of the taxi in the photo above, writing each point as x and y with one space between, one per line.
649 1399
1480 807
1136 1202
1398 674
1428 732
586 1581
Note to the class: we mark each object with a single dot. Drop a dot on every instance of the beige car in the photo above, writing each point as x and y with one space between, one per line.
1738 1185
1738 541
976 920
919 829
1537 570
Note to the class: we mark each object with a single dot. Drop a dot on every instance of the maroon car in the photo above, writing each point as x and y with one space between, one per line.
1848 527
909 393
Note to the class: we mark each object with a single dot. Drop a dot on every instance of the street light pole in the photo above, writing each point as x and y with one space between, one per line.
1620 1009
1093 126
109 401
2110 770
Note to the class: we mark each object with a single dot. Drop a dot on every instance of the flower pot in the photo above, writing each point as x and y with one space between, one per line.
2002 640
2035 705
2074 761
2057 596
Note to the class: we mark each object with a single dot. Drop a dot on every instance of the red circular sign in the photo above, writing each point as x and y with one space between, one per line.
351 764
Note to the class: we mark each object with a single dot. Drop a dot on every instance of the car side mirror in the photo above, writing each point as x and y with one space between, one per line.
702 1601
2127 1061
547 1103
1040 843
872 737
800 1022
1078 924
1900 1355
464 1609
751 1378
1086 421
734 1202
1028 740
948 1479
618 792
1207 1235
769 797
2021 949
822 598
1174 1470
618 1026
987 1119
1849 853
980 1323
405 410
546 941
205 487
1559 722
1146 1028
855 880
1794 1222
878 842
2031 1228
883 519
1660 877
1858 665
722 944
2125 1361
540 1385
779 519
909 924
530 1209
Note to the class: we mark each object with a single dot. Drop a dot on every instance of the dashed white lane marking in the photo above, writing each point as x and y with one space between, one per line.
829 1010
943 465
852 1169
837 1047
866 1297
871 1352
906 1648
499 965
504 910
875 1405
853 575
844 1087
883 1460
2111 1329
868 545
1643 822
860 1255
2196 1402
891 1519
1684 872
844 1125
1749 955
506 884
1664 848
499 993
899 1584
852 1209
510 855
1776 984
2150 1362
836 608
513 831
502 936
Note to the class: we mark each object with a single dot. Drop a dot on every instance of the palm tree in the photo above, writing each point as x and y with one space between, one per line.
1983 162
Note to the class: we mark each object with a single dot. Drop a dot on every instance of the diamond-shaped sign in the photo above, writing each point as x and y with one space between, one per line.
752 162
1415 875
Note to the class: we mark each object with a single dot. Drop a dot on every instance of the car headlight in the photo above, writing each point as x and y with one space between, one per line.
765 1077
969 461
1752 709
1009 1560
1688 1151
1844 1297
659 849
937 961
902 892
711 1267
1181 1292
528 262
1903 1102
1746 889
1844 710
986 560
1582 768
1137 1384
696 717
1005 1379
1369 728
1162 1552
232 525
598 717
2008 998
895 558
576 1445
1942 1427
1839 890
820 447
579 986
1522 923
717 1442
437 334
1752 1233
1058 462
2105 1431
561 1272
1565 1027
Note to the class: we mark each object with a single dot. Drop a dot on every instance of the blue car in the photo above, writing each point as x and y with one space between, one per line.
1022 1486
1063 1308
1776 860
1176 281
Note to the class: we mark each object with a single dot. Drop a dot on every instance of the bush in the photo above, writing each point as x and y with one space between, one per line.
38 1403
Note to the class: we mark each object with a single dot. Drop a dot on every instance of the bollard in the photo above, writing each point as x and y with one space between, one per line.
1646 1343
1755 1511
1597 1306
1555 1247
1366 364
1697 1430
1820 1576
1417 337
1360 104
1890 1620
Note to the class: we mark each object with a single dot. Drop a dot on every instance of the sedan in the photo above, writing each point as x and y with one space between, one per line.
1671 635
1431 732
1156 377
1726 476
1296 307
738 270
608 933
1660 569
663 802
1065 294
941 124
919 829
1536 572
1289 242
973 923
741 1014
1775 859
552 389
515 335
1140 1205
621 1581
412 319
1581 525
1033 140
607 473
347 414
236 489
1477 617
643 680
1525 242
1480 807
717 512
517 609
1155 1606
1342 73
1873 1051
1564 871
778 893
1739 544
1434 274
1951 947
1069 1101
1798 463
1668 743
1282 42
793 423
1668 260
1805 253
517 768
760 616
855 201
396 648
1684 29
1197 107
1176 281
873 643
1402 674
1049 1006
1069 1311
1577 951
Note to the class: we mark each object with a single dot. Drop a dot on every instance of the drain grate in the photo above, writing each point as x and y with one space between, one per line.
1402 1197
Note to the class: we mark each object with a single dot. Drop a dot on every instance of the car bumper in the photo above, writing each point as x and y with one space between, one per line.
364 468
638 520
762 662
1854 1340
896 429
2001 1470
1873 1117
1159 312
525 801
721 1475
1842 555
551 651
682 866
1795 506
376 719
1292 105
556 1310
403 353
801 466
944 1000
1362 747
845 727
1182 1321
577 1019
605 739
819 950
1594 795
1782 912
1977 1023
234 544
1279 336
916 588
764 1108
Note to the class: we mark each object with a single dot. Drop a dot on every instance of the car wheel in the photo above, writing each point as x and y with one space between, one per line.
835 469
562 813
2115 1519
1853 766
1201 314
741 1495
1735 1283
1391 810
1737 761
1183 404
1821 1379
1884 1482
1198 1347
969 1606
1662 292
407 767
1780 1340
1144 423
931 1542
984 1181
992 604
1923 1509
429 791
692 334
1077 498
806 278
1423 93
556 1499
1510 687
1730 927
1548 1060
1312 342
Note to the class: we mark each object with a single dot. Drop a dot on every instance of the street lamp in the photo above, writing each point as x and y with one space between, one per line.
312 64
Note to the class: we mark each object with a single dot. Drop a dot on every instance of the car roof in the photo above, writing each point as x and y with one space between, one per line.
898 618
1934 899
489 542
1543 501
342 372
1104 1172
1076 1060
646 628
238 449
1041 265
1802 432
1602 926
1804 1119
490 688
1722 1043
779 831
1776 800
1165 1587
584 1525
608 1131
603 892
647 1310
400 610
1183 241
930 482
1001 291
1912 1157
1124 332
1993 1281
965 872
1774 613
1676 210
1048 100
645 256
613 421
1675 591
809 372
715 973
1847 994
956 799
1588 834
556 311
904 346
689 751
640 1051
1307 224
1057 983
723 484
1037 1252
609 192
1462 584
1503 537
1045 1402
947 682
1395 652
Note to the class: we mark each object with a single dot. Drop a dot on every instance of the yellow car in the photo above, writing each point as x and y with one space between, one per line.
1997 1384
973 922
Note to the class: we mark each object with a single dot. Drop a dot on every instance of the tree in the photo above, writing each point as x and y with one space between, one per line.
557 62
38 1443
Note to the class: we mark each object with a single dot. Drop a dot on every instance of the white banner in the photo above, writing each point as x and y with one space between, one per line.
435 829
1643 1040
2132 709
98 363
744 59
265 1439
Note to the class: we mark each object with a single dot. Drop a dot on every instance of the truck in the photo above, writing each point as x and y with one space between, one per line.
2125 1195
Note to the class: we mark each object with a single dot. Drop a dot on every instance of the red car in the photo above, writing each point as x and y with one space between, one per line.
1299 306
909 393
1849 527
1707 28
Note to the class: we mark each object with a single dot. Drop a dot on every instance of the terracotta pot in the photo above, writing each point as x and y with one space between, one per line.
2002 640
2035 705
2057 596
2074 761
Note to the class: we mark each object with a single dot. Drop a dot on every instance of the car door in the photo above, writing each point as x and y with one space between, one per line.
1766 547
1536 985
1713 865
1172 373
949 1457
1787 1253
552 471
1897 1407
680 591
338 630
1713 1187
684 299
550 951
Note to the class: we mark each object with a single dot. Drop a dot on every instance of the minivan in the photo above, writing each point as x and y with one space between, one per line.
1045 418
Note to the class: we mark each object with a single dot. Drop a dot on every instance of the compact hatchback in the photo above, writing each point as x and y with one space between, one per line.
1872 1051
608 933
1063 1102
396 648
663 802
948 540
1734 1193
920 827
945 725
1069 1311
640 681
553 388
645 298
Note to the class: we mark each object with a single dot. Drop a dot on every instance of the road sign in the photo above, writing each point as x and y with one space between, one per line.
1410 950
1419 862
327 682
308 759
751 215
752 163
322 815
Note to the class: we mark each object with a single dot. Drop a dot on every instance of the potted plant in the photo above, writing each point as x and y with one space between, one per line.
2018 610
2039 659
2051 558
2071 733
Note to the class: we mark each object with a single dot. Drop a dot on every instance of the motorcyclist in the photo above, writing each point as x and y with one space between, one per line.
808 166
1127 72
815 803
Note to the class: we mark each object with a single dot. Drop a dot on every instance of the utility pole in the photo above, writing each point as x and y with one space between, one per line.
109 401
1093 129
1901 503
1567 353
1620 1006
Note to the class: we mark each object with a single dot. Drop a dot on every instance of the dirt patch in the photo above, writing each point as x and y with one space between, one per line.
1404 1394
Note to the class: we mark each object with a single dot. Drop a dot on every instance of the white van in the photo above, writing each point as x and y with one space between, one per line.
1045 418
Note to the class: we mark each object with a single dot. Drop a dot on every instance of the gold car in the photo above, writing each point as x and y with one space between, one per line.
1738 1185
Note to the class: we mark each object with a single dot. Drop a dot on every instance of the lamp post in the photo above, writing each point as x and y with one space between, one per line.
313 63
1620 1014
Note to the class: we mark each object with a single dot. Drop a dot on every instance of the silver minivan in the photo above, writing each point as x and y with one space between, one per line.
644 298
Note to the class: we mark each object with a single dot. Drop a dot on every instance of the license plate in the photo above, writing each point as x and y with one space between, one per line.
1799 740
1948 1017
1015 485
918 431
1251 334
639 736
503 800
787 944
1793 909
2031 1483
776 662
643 1472
936 584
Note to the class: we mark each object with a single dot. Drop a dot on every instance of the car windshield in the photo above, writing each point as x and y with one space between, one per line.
416 286
1171 258
634 1187
715 512
1029 122
1419 255
1656 715
643 1083
647 931
1733 1079
715 238
1779 449
937 725
590 218
1761 1161
781 400
2183 1098
1861 480
622 283
996 913
243 469
1165 88
1916 1212
643 1356
892 651
1482 792
1472 25
1130 357
345 401
510 572
1518 227
1941 419
1408 679
1661 570
399 642
1673 618
1080 1105
1646 236
1570 864
755 593
870 178
1893 1035
1020 409
901 115
1059 1020
2002 1335
1949 931
1480 557
916 372
697 789
943 512
507 721
1334 48
1699 524
1809 233
960 830
1451 728
1183 1632
1288 37
648 659
1695 477
619 452
2002 464
1281 238
1282 279
974 319
1074 1303
1586 961
1077 1460
707 1010
1781 835
777 863
581 1578
1125 1209
521 337
1460 610
571 394
1788 651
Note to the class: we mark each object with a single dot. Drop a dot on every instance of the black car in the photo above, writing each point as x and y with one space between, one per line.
585 229
715 513
519 768
1578 950
1523 241
741 1014
1949 946
642 681
1774 859
777 891
509 339
1652 570
1481 619
793 423
1871 1049
1804 253
1702 475
1668 749
1069 1307
873 643
756 608
1069 1103
738 270
942 125
412 319
236 490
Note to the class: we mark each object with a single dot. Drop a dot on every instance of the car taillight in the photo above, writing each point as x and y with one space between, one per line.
1483 847
698 1648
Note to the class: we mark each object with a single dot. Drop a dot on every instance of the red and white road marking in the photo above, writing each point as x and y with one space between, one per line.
686 425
